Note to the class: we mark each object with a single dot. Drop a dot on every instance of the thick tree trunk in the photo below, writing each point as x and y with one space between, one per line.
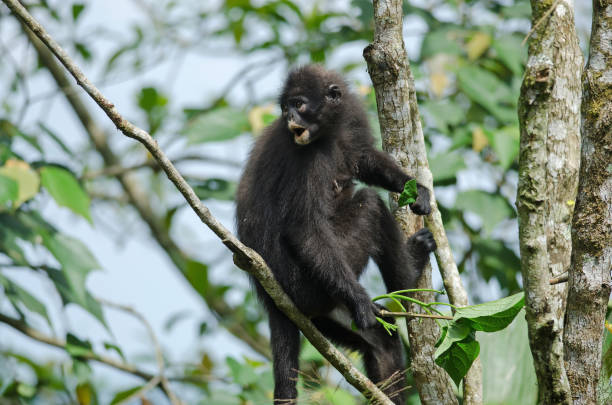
403 138
589 276
549 116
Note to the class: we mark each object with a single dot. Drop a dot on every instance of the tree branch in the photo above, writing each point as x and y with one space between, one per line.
41 337
244 257
414 315
139 200
548 176
589 281
403 138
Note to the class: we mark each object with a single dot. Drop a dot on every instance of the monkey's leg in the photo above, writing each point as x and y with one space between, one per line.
285 342
368 229
401 262
382 353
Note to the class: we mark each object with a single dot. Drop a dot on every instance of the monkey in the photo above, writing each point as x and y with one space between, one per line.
298 206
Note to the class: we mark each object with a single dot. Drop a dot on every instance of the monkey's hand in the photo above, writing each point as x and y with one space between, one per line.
365 313
422 204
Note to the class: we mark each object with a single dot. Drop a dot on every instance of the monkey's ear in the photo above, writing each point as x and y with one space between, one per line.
334 92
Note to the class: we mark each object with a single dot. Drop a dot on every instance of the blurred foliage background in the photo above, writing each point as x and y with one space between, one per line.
74 193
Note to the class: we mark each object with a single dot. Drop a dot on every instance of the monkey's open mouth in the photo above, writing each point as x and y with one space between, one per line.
301 135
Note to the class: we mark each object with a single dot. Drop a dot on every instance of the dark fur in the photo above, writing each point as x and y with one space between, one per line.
297 206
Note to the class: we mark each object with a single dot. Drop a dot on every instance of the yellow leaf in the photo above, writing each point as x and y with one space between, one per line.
257 117
27 179
477 45
609 326
571 203
206 364
439 82
84 394
479 139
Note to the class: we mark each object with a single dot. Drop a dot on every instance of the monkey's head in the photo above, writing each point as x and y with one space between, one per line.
312 103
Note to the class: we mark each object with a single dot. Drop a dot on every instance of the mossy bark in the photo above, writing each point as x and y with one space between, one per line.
549 115
403 138
589 277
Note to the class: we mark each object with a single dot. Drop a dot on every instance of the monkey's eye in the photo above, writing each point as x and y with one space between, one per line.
299 105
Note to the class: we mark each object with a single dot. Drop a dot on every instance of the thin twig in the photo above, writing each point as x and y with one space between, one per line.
559 279
158 351
143 390
545 16
244 257
414 315
41 337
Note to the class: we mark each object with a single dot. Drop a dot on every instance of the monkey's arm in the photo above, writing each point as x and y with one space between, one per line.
316 251
379 169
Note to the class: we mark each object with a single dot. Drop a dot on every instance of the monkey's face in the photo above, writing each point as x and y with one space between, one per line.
306 114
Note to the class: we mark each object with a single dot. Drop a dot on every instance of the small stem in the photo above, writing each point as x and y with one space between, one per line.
414 315
559 279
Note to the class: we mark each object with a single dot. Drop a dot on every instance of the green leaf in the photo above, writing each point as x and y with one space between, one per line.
497 260
308 353
505 142
409 195
77 347
444 166
492 94
443 114
17 294
242 374
452 332
77 9
175 318
457 347
217 125
197 275
9 190
506 357
77 262
458 360
55 138
492 208
338 396
83 50
27 179
214 188
68 295
442 40
511 52
66 190
115 348
123 395
491 316
26 390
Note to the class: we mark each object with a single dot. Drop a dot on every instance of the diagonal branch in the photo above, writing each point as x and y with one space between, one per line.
139 200
244 257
